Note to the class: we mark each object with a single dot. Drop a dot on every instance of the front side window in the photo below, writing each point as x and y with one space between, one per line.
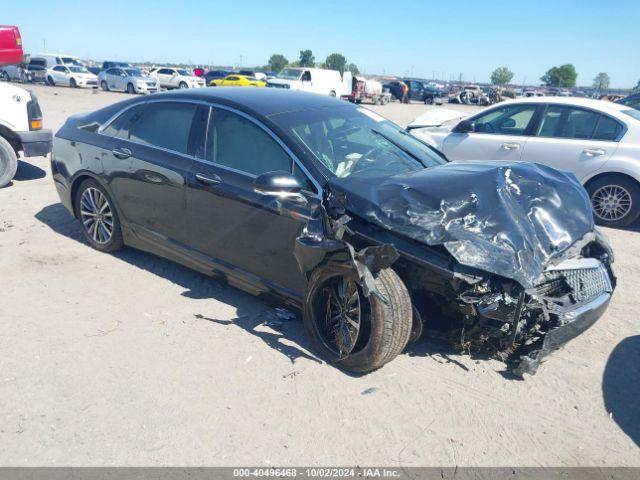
289 74
568 122
165 125
506 120
356 142
236 142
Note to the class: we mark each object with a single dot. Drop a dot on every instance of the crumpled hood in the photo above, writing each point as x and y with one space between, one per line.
506 218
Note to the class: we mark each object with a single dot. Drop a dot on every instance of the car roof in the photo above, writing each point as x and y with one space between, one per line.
605 106
263 101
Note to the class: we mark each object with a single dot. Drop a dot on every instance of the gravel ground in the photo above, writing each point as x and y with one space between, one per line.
129 359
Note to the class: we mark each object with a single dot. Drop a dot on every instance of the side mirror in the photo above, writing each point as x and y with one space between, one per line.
279 184
465 126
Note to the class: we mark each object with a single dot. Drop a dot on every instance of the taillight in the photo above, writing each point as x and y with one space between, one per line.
16 33
34 113
35 124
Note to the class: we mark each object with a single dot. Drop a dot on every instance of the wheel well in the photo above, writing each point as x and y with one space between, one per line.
10 137
74 189
610 174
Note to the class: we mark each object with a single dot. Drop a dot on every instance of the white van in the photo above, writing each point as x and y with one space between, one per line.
54 59
315 80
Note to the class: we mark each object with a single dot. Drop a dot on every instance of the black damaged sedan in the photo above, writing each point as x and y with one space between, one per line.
340 213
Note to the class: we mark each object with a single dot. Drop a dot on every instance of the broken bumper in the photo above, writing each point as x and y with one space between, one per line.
576 322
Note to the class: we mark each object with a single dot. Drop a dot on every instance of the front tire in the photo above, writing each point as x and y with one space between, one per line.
104 86
98 217
72 83
353 332
183 85
50 81
8 163
130 88
332 93
615 200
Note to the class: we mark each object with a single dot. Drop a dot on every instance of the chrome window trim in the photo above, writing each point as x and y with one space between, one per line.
211 105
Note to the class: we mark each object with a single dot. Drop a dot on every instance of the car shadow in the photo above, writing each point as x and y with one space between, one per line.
27 171
276 327
621 386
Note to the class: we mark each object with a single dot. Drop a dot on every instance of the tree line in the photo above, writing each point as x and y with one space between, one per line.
334 61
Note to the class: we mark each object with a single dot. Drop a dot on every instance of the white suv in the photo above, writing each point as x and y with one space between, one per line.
20 130
169 77
597 141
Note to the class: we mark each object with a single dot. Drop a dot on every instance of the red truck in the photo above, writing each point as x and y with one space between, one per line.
10 46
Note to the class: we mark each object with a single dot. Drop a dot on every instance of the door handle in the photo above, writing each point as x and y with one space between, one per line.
593 152
208 180
121 153
510 146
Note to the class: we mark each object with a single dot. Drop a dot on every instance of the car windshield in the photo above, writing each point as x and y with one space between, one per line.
78 69
133 72
632 113
71 61
183 72
354 142
289 74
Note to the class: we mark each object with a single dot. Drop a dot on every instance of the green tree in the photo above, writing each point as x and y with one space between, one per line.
336 61
277 62
501 76
353 68
562 76
307 59
601 82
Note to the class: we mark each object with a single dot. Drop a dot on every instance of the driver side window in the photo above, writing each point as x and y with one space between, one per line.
507 120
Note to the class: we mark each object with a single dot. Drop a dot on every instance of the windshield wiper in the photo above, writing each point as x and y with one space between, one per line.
412 155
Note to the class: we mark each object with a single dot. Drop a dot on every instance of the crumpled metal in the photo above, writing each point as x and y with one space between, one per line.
510 219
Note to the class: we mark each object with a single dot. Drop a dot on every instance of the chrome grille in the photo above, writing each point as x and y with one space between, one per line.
586 278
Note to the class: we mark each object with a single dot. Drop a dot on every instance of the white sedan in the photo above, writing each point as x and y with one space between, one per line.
71 76
169 77
597 141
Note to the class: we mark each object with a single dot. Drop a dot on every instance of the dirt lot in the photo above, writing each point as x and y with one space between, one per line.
128 359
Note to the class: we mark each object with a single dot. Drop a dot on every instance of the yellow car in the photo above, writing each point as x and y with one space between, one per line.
237 81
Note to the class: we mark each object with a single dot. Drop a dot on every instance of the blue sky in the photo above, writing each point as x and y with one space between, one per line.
403 38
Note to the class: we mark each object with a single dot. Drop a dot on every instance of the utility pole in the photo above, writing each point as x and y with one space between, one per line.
44 45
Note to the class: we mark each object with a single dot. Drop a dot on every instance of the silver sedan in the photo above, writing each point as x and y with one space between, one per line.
130 80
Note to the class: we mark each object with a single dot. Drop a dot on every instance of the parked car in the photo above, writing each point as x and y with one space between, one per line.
236 80
33 71
176 78
71 76
214 74
599 142
421 91
339 212
107 64
632 101
253 73
314 80
130 80
199 72
11 52
20 130
53 59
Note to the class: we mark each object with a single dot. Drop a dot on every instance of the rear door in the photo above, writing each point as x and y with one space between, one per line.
228 220
499 133
154 157
573 139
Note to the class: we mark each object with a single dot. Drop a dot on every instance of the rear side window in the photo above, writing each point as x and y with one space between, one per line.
578 124
165 125
607 129
236 142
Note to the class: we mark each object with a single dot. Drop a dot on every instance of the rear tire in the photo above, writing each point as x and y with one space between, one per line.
8 163
615 200
332 93
384 329
100 224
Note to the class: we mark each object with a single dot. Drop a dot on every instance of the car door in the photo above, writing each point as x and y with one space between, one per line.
416 90
230 81
573 139
119 78
231 223
164 77
61 75
499 133
153 157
